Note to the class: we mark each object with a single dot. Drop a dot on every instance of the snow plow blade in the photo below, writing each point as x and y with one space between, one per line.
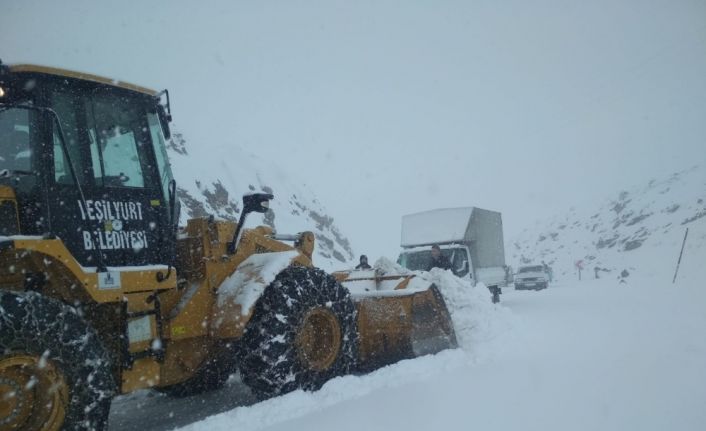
399 317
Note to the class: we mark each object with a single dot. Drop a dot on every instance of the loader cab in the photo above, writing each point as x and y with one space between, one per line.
87 161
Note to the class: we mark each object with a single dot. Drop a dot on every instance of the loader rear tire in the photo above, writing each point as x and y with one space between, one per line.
54 372
303 333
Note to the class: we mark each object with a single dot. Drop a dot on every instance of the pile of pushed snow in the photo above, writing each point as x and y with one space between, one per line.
476 319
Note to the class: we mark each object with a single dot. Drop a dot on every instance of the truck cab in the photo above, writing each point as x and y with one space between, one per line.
470 238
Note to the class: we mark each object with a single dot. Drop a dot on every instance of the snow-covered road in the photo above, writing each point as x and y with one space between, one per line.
589 355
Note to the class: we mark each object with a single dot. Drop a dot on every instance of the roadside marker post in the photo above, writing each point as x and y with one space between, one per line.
680 254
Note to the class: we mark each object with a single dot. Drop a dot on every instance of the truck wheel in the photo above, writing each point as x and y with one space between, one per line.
54 372
303 332
495 290
495 293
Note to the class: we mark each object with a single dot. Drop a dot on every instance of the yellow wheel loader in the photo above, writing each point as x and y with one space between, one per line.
101 293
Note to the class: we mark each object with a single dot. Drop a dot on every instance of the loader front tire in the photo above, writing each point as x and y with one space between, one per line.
303 332
54 372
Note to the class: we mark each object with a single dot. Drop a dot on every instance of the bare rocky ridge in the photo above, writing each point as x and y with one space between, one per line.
618 236
209 185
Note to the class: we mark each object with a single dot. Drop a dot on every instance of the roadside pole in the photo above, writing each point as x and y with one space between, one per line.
680 254
579 266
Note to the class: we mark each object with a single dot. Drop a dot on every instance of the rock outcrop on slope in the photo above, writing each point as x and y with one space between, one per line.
212 179
639 230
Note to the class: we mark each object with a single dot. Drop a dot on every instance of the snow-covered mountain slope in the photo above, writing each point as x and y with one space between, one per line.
639 230
212 178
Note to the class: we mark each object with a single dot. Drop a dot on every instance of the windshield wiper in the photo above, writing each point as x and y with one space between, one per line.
7 173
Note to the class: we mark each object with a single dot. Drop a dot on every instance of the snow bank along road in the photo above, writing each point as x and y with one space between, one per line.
589 355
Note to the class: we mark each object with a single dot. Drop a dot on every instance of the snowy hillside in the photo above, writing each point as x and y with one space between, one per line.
639 230
212 183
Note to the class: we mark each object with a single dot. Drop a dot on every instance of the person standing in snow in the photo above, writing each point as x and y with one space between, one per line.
548 271
438 260
363 263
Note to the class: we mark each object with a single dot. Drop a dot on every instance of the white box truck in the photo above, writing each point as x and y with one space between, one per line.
470 238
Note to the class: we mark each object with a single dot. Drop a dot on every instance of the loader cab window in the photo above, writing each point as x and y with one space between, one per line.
160 152
20 168
106 134
62 174
15 151
66 106
115 131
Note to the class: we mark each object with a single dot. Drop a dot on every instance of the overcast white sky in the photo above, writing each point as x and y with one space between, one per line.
390 107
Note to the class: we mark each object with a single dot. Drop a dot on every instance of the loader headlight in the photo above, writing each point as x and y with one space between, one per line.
2 92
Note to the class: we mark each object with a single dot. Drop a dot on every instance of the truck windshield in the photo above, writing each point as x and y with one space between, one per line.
535 268
416 260
421 260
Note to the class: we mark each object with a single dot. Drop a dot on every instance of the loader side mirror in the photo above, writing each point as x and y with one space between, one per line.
174 205
256 202
461 269
164 119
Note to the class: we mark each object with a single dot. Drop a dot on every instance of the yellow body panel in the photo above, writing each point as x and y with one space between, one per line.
395 325
384 325
145 373
183 358
31 68
131 279
7 193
